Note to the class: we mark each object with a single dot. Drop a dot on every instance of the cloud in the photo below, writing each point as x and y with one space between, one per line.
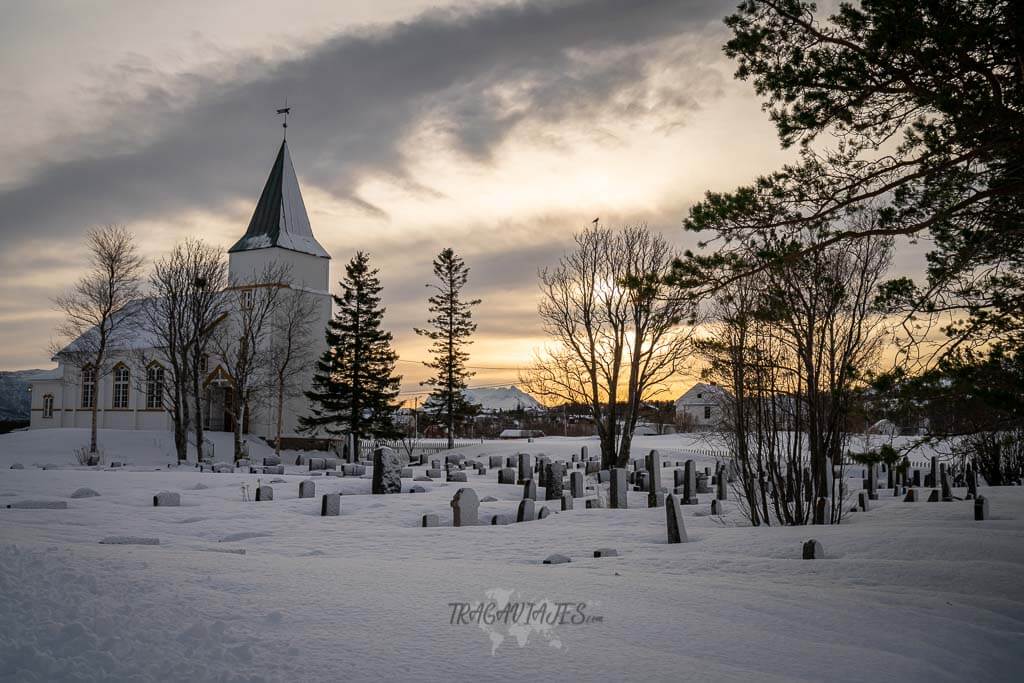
200 141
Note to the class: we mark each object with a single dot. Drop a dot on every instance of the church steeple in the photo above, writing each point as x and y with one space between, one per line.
280 218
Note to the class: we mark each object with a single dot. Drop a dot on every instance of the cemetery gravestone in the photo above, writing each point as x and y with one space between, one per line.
465 507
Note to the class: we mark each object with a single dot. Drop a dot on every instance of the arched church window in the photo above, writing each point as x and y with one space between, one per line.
154 386
122 376
48 406
88 386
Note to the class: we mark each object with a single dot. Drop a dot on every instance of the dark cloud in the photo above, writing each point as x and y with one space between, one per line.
204 141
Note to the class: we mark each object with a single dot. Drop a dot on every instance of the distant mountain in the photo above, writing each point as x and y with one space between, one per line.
502 398
15 402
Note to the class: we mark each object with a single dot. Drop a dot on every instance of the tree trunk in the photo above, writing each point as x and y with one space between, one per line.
280 415
197 397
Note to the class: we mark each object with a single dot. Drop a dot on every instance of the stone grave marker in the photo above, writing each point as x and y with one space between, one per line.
465 508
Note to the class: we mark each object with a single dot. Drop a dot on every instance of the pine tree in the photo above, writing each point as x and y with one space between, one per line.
354 387
450 329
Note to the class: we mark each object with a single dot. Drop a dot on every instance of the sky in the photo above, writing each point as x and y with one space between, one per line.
496 128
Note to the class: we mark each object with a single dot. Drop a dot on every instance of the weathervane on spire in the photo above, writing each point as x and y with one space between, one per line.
284 111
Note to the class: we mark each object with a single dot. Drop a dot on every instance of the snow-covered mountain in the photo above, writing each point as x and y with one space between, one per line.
15 401
502 398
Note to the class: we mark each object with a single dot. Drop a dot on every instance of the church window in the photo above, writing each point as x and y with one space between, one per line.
88 387
48 406
121 378
154 387
707 412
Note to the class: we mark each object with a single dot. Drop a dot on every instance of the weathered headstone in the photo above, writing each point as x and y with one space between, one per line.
307 489
576 484
525 467
981 508
495 461
457 476
823 510
566 501
465 508
972 482
526 511
813 550
430 520
690 483
506 475
617 498
674 520
264 493
655 496
166 499
330 505
387 471
947 492
554 484
530 489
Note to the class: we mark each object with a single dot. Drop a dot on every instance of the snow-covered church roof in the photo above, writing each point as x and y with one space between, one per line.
280 218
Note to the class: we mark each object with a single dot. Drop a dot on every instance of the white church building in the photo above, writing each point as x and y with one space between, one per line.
130 394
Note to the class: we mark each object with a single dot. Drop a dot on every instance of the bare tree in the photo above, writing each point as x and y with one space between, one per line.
187 302
206 306
619 332
242 340
292 350
100 310
791 345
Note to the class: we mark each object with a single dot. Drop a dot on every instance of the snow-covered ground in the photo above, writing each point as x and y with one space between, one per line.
907 591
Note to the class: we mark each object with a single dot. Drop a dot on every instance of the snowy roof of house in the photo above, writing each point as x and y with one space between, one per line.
280 218
702 393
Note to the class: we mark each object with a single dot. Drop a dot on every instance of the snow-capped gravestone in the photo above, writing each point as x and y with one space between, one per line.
506 475
84 493
655 496
431 520
307 489
566 501
525 467
813 550
530 489
264 494
617 498
387 471
674 520
330 505
554 473
527 511
465 508
980 509
166 499
576 484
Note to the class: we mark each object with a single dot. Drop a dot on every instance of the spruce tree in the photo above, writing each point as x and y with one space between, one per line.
450 329
354 387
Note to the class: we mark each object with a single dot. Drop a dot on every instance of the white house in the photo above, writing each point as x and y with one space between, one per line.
701 405
129 396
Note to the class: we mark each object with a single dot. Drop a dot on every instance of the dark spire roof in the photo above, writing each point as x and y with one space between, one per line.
280 218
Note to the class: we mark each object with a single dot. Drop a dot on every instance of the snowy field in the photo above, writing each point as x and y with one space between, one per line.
906 592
